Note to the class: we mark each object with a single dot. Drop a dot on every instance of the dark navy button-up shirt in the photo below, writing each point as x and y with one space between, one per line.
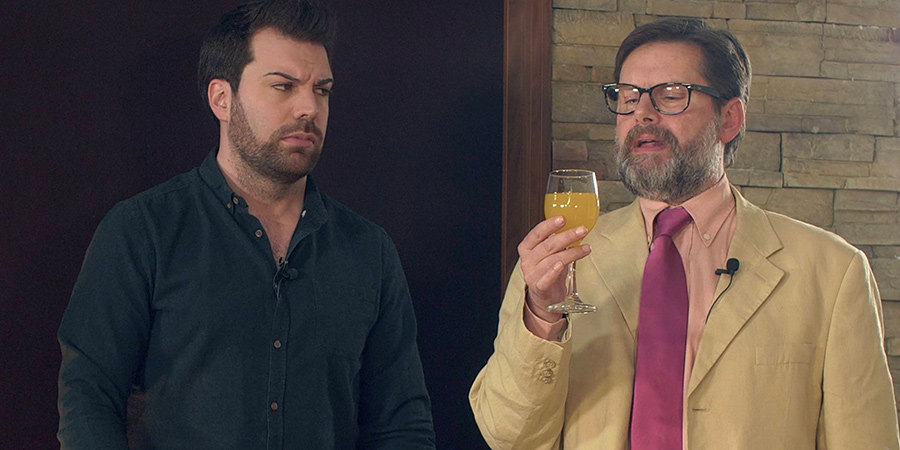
181 300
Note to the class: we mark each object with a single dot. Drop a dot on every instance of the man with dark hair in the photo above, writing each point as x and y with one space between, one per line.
718 325
245 308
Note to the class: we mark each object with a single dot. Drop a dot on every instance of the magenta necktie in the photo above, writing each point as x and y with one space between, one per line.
656 415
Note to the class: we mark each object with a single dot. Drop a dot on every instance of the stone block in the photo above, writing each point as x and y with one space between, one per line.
760 151
603 75
868 201
613 195
599 5
569 150
865 217
846 169
755 178
887 274
579 102
861 51
832 147
783 54
758 86
729 10
891 311
796 180
601 154
824 124
892 348
756 106
857 32
680 8
769 123
840 92
823 108
633 6
831 69
869 234
851 14
874 72
887 158
874 184
809 11
585 55
875 126
570 72
886 251
572 26
773 27
583 131
814 206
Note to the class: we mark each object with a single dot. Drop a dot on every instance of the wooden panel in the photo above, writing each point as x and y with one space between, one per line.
526 121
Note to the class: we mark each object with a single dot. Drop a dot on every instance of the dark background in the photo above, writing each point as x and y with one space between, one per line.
99 102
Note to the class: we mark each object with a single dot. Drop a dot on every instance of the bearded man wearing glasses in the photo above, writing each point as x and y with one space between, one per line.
753 331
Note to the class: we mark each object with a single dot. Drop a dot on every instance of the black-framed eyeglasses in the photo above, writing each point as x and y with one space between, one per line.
667 98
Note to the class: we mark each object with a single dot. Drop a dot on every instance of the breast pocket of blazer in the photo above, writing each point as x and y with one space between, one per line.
778 354
345 314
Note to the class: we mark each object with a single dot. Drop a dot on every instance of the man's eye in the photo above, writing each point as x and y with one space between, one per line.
283 86
323 91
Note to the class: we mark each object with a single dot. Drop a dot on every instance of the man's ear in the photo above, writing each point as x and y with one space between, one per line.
220 97
732 119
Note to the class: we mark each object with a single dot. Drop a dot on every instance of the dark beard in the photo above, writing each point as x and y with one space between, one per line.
690 170
266 159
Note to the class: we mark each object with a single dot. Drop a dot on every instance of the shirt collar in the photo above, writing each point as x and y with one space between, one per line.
313 207
709 209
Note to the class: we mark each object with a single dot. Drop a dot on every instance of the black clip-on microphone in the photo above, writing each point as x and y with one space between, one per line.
731 267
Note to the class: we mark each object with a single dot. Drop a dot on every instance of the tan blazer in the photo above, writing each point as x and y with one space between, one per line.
791 357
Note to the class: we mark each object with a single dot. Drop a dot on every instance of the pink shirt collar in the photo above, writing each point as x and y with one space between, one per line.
708 210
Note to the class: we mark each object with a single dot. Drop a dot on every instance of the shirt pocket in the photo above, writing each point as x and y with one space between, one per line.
344 315
785 354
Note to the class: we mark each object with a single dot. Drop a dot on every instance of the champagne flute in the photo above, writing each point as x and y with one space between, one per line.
572 193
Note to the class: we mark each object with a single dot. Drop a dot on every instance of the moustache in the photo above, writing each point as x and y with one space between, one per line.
662 134
303 126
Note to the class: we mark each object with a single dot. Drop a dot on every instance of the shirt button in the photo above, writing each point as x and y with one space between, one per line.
303 213
706 236
274 406
235 200
277 343
228 205
258 233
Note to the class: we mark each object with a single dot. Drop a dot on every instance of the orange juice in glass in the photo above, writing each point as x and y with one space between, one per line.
572 193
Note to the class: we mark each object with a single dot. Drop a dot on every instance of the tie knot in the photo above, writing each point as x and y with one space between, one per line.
669 221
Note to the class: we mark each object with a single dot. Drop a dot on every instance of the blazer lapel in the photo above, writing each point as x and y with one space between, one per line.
618 255
753 242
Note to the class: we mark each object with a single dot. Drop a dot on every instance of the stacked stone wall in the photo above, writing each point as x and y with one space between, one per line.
823 133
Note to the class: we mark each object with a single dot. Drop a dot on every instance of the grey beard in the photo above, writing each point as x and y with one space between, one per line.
690 170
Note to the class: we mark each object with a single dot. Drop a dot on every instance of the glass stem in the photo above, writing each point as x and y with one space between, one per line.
571 290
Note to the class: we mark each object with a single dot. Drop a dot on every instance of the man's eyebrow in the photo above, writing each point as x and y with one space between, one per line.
324 81
284 75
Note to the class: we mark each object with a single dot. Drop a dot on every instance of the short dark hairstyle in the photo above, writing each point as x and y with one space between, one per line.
725 64
226 50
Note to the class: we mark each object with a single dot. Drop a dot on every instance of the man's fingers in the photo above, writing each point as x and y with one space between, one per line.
540 233
545 272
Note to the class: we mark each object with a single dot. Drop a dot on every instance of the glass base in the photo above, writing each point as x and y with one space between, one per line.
572 305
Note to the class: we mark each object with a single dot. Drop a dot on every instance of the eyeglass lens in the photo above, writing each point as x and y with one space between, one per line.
668 98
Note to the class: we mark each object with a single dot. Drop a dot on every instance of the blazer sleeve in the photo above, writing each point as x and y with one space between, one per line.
519 396
858 407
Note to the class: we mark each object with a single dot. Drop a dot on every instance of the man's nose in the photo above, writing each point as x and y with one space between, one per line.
306 105
644 111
